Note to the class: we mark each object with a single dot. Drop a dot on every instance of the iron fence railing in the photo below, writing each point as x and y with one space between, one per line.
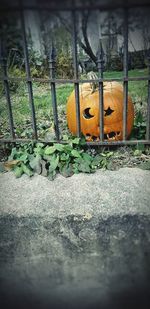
53 81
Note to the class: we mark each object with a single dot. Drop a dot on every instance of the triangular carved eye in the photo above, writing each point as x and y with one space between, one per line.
87 114
108 111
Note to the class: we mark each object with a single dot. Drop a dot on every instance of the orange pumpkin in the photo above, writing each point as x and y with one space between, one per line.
89 112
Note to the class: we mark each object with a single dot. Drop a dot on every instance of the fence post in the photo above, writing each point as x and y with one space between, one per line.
148 103
100 65
125 68
75 63
27 67
3 61
53 90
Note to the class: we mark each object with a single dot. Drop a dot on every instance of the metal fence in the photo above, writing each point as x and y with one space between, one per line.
76 81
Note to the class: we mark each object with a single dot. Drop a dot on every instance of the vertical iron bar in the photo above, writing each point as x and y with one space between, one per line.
3 61
148 103
75 62
100 63
125 68
53 91
27 67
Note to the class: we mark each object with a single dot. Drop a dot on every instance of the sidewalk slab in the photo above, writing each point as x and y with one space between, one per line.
79 242
103 193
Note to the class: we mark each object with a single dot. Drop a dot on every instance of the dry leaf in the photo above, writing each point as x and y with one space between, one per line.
10 164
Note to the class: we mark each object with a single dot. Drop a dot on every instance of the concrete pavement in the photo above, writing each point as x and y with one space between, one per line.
79 242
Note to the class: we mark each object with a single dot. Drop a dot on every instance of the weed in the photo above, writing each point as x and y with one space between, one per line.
67 159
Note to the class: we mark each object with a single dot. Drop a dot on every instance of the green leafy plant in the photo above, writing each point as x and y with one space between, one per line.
67 159
139 129
139 149
102 160
16 72
64 66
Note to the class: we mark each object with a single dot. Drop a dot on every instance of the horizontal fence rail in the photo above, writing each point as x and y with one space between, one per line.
73 81
72 6
53 81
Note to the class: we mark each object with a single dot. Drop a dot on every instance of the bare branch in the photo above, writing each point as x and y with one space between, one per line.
87 46
84 24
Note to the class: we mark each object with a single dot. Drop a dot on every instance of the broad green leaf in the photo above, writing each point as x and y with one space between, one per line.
36 164
71 144
65 138
59 147
18 171
52 175
47 157
67 170
96 161
49 150
87 157
76 141
27 170
31 157
78 160
75 153
76 171
75 168
24 157
13 154
85 167
64 156
67 148
53 163
40 145
39 150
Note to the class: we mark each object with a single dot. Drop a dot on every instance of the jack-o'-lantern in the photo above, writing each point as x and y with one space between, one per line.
89 112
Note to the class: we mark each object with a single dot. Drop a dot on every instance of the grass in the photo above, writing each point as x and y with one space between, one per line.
137 89
132 73
43 103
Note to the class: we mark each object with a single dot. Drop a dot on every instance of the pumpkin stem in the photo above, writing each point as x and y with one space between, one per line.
93 85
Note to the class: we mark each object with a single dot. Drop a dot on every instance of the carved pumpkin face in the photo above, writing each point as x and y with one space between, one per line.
89 112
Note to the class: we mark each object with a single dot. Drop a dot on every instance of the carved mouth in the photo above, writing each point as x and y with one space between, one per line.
90 137
112 135
86 113
108 136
